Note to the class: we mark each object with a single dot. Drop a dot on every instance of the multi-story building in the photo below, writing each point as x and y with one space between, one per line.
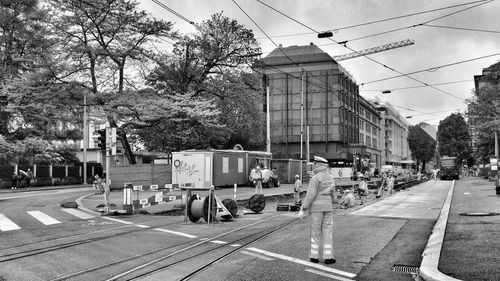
369 134
310 92
315 108
394 127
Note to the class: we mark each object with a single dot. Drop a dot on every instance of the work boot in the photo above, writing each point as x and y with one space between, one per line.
330 261
314 260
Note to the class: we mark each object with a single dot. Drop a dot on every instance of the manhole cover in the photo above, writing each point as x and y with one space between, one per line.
405 268
479 214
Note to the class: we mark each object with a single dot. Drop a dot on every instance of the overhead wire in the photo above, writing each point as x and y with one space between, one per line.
191 22
462 28
414 87
379 21
375 61
432 68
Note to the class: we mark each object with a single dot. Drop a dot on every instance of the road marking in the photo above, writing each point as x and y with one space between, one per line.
176 233
328 275
306 263
257 255
43 218
142 226
6 224
218 242
117 220
79 214
235 245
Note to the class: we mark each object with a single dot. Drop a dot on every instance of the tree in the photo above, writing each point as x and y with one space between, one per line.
484 113
100 44
214 64
172 123
23 39
453 137
422 146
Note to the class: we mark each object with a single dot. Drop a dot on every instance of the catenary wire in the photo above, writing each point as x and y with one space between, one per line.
375 61
462 28
378 21
187 20
414 87
431 68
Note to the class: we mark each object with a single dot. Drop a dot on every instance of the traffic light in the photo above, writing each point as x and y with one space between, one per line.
102 139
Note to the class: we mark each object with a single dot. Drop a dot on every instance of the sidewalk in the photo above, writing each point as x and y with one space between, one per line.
282 194
38 188
464 244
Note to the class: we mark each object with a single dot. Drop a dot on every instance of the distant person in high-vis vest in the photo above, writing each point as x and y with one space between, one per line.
318 202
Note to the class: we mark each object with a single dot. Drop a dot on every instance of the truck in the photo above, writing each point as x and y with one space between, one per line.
449 168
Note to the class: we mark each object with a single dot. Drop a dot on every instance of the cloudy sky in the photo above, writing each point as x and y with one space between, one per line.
454 40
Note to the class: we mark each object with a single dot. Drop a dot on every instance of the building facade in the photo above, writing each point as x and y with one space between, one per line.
315 109
394 127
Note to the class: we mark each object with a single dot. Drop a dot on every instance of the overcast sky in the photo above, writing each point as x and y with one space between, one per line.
454 37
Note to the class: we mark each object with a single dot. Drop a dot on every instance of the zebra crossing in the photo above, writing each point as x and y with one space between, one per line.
6 224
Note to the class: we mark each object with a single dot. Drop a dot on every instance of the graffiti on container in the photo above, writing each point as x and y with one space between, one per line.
184 168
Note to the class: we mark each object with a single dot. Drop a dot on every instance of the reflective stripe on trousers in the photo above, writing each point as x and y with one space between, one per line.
321 234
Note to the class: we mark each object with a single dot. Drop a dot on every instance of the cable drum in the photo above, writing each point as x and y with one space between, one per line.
257 203
231 206
198 208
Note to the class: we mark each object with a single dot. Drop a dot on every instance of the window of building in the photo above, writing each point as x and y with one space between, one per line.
361 137
368 140
374 143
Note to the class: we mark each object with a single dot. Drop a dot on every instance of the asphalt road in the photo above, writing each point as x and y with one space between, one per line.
367 242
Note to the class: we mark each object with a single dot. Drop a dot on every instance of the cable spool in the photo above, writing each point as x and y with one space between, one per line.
231 206
257 203
198 208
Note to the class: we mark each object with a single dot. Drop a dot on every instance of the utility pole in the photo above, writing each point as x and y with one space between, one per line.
268 122
302 119
85 137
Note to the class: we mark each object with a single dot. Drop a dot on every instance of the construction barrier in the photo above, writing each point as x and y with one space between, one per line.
161 197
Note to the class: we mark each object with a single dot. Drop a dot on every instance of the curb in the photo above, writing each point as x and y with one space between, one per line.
81 207
428 270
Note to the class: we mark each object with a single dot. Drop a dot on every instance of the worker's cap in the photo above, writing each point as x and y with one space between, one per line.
297 176
320 160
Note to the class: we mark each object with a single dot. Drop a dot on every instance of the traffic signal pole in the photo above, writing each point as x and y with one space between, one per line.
107 206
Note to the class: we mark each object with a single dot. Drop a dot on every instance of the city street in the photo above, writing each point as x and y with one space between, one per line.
368 241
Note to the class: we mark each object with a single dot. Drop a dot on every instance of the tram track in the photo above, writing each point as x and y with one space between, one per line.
59 246
252 238
146 263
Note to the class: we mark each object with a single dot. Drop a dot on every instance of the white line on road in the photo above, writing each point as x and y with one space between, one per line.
142 226
218 242
78 213
306 263
117 220
257 255
43 218
328 275
175 232
6 224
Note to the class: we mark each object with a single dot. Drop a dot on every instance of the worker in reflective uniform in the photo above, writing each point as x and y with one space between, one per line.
318 202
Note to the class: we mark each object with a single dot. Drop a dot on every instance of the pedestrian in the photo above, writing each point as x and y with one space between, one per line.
29 176
318 202
297 188
349 201
362 189
340 174
15 180
256 178
383 184
390 183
